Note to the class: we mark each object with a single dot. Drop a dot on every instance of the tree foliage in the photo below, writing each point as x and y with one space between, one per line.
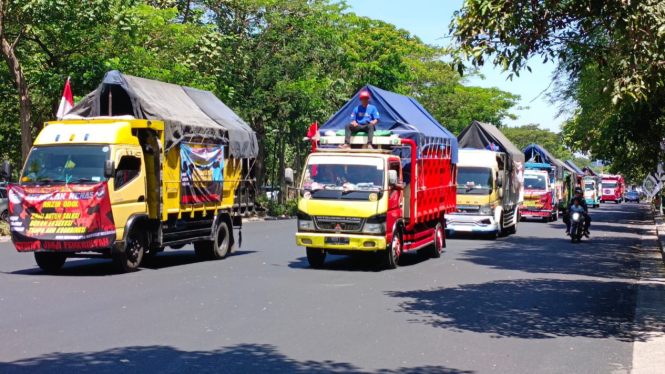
611 66
280 64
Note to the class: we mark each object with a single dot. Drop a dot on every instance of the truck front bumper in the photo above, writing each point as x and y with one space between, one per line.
356 242
535 213
470 223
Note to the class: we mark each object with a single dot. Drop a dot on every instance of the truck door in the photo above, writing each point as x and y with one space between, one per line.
127 187
395 197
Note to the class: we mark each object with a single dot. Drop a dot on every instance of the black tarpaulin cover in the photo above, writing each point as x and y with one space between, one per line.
479 135
186 112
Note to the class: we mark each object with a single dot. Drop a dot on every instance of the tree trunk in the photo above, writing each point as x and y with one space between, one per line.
282 182
23 95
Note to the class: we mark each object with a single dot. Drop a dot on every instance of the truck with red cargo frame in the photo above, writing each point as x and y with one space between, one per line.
388 200
613 188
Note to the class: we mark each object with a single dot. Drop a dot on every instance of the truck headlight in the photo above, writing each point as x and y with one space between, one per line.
305 222
486 210
374 228
305 225
376 224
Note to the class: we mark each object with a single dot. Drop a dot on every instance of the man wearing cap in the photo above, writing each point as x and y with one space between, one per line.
363 119
587 218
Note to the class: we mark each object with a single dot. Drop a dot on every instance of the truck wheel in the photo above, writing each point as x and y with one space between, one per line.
49 261
215 249
130 258
512 230
392 253
437 247
316 257
546 219
4 216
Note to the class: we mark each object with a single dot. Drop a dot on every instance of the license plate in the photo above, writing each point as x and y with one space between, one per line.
336 240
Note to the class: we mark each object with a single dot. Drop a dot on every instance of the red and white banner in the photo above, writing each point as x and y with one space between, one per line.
61 218
67 101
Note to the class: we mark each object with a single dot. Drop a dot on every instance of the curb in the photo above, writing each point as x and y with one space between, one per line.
659 222
263 219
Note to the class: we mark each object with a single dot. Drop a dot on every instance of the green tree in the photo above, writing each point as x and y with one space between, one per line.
523 136
611 65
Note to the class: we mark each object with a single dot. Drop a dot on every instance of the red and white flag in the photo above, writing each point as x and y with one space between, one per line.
67 101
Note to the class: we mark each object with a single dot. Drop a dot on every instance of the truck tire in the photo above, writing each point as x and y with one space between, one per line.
546 219
437 247
131 257
512 230
215 249
50 261
393 252
316 257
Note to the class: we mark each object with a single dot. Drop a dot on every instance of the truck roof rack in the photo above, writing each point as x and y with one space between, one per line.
379 140
347 150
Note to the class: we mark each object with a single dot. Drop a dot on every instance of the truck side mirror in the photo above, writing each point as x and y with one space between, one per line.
288 176
392 177
499 181
6 173
109 168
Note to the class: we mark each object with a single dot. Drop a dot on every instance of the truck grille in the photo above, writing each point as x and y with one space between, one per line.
338 224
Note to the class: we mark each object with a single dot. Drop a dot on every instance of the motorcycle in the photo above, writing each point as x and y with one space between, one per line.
576 227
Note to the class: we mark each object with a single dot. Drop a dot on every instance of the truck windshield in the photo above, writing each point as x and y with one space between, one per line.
70 164
333 178
535 182
610 184
474 181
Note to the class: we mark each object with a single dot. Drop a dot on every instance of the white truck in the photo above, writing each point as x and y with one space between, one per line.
490 187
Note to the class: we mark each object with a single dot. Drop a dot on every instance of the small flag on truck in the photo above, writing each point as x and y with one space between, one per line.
67 101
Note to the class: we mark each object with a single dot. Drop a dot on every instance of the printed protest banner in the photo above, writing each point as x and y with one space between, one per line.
537 203
202 174
61 218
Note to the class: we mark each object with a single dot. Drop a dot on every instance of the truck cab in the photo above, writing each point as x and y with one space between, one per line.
612 189
540 199
591 192
480 189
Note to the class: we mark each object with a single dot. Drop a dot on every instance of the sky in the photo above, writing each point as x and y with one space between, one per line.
429 20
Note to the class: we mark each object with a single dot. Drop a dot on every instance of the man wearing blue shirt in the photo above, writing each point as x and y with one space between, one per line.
363 119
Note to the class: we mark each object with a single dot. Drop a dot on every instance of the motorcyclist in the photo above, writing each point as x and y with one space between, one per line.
582 202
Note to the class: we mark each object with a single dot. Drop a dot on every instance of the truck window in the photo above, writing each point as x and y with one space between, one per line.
535 182
474 180
610 184
128 168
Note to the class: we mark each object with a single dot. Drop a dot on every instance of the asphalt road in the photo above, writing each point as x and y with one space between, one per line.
529 303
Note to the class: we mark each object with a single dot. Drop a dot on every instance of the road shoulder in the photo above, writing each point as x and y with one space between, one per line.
649 346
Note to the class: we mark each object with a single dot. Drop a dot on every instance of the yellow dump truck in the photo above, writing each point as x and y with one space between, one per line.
138 166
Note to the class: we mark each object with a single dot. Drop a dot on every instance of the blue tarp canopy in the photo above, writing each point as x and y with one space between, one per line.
537 153
574 167
402 115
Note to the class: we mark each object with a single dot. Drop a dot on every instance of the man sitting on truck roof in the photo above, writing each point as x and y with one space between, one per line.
363 119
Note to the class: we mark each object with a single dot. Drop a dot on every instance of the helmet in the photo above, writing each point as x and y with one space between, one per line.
364 95
578 190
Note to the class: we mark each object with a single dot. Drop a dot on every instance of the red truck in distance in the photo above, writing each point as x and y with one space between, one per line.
613 188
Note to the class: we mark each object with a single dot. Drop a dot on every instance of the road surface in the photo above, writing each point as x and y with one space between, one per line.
529 303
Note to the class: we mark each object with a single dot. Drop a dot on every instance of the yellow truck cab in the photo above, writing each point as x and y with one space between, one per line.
126 188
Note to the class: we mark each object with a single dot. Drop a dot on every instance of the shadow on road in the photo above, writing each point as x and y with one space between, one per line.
532 309
104 267
244 358
599 256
